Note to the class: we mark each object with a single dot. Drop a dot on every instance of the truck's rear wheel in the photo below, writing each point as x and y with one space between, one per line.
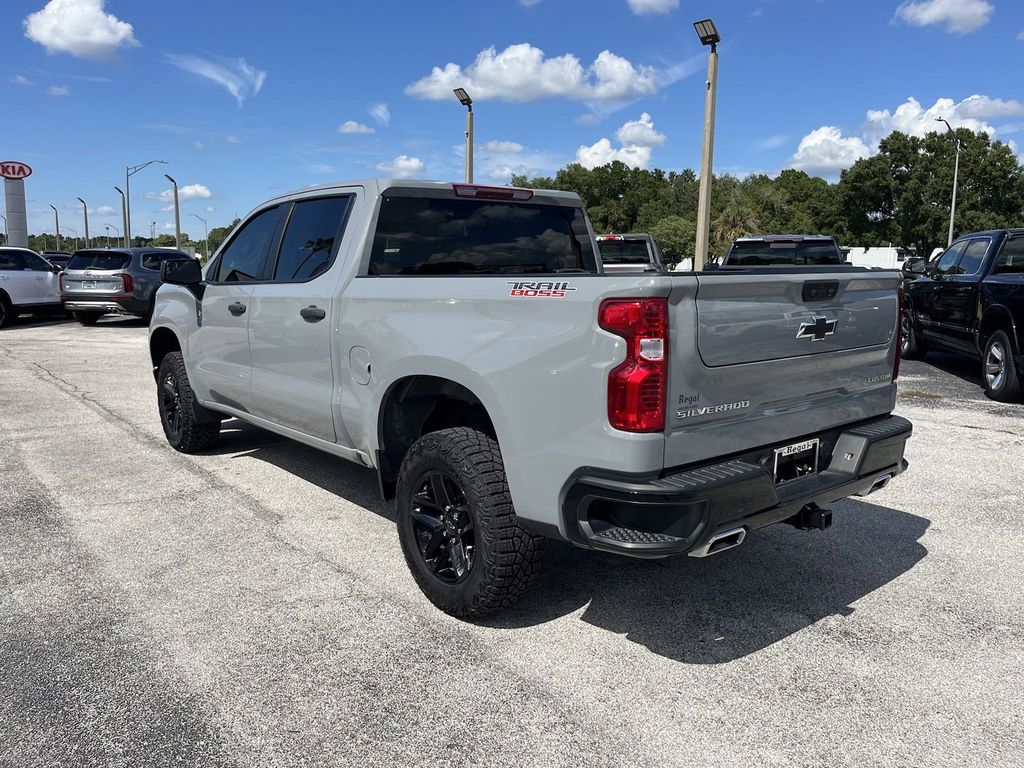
174 399
914 348
457 526
999 371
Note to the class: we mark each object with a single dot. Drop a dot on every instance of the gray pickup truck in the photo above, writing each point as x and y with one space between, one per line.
466 343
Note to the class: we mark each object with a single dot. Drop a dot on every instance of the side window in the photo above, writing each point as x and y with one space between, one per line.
151 261
240 260
974 255
1011 257
314 230
948 260
36 263
12 261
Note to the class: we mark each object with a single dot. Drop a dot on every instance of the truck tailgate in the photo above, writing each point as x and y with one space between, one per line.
759 359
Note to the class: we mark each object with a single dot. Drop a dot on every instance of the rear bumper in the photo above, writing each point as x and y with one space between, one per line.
117 306
679 511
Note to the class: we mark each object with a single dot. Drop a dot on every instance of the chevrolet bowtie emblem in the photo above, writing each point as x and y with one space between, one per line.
817 328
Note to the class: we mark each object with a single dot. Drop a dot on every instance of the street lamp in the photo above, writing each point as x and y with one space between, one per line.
124 213
467 102
177 215
130 171
117 232
5 228
206 239
56 224
956 172
73 232
107 227
708 34
85 213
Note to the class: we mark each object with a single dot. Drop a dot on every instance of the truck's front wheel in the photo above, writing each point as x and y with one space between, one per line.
174 399
459 532
999 372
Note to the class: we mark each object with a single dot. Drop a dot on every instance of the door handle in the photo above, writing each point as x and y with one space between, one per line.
237 309
312 314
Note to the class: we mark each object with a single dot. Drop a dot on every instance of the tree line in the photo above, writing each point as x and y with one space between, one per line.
899 196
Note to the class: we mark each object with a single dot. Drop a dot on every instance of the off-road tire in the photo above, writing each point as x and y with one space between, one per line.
914 347
191 435
506 557
6 312
1007 389
86 318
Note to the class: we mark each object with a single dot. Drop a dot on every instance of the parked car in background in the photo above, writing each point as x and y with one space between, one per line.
120 281
971 300
57 258
783 251
636 252
28 284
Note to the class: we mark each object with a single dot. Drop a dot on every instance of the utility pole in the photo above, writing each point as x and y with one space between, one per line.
708 35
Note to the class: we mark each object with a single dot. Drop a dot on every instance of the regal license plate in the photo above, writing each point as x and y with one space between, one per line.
88 283
796 460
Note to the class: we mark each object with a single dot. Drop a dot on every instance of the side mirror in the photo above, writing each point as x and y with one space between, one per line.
914 267
56 269
185 272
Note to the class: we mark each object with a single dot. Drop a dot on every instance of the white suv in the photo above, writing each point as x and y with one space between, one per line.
28 284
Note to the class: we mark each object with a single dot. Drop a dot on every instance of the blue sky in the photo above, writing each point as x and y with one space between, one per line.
248 100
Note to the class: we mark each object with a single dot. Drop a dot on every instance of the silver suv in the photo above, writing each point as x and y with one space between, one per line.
121 281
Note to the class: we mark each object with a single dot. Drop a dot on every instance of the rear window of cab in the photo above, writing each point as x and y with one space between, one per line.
99 260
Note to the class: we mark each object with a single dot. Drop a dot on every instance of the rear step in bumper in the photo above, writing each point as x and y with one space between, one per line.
694 509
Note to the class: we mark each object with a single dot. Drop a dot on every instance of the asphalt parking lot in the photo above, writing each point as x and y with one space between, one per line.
251 606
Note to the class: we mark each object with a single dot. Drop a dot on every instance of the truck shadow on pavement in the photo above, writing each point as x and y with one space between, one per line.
698 611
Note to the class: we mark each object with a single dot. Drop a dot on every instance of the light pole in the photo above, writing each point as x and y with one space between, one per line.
85 213
177 214
708 34
206 238
117 231
56 224
130 171
956 172
124 213
5 228
107 227
464 100
73 232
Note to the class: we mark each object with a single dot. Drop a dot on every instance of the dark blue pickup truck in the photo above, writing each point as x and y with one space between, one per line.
971 300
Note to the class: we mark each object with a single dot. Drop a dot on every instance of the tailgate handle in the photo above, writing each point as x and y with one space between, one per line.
820 290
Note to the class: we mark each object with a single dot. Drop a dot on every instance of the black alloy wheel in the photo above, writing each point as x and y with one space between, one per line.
443 527
170 406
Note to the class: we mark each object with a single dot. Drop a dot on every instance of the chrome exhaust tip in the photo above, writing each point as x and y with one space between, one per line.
720 542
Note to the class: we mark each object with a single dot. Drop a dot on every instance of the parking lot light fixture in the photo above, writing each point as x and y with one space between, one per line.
5 228
708 34
124 213
130 171
956 172
177 214
467 102
206 238
56 224
85 213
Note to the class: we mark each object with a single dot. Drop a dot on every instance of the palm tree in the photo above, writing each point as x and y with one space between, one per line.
734 222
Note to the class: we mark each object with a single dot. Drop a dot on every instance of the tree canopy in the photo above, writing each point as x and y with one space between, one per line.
901 195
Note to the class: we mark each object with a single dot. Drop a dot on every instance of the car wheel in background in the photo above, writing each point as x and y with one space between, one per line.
174 400
457 526
6 312
913 347
999 373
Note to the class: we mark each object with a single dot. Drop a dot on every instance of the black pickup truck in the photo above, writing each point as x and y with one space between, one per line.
971 300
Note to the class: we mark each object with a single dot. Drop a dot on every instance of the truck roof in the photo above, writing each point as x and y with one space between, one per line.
382 184
770 238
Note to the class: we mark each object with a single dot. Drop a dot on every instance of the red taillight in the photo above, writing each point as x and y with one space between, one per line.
899 335
637 387
493 193
128 286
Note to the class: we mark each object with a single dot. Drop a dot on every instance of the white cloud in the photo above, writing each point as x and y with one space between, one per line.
58 90
235 76
643 7
104 210
198 145
402 167
523 73
505 147
321 168
80 28
380 113
210 209
230 139
640 133
20 80
771 142
1020 35
187 192
528 3
959 16
826 151
351 126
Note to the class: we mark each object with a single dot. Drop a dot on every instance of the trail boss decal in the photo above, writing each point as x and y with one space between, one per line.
705 410
538 289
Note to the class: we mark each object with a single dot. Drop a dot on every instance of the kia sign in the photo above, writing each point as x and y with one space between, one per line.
12 169
14 174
